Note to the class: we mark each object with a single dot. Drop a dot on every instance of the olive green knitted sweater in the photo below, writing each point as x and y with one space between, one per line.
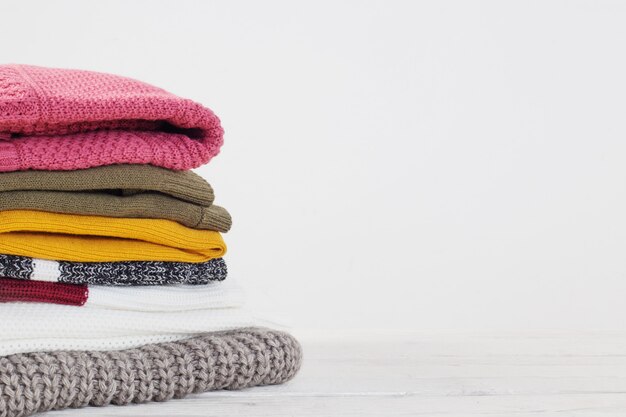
135 191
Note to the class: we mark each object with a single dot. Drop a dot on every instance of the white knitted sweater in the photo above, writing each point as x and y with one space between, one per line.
166 298
110 322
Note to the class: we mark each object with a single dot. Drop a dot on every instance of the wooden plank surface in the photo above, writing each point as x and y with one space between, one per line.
448 374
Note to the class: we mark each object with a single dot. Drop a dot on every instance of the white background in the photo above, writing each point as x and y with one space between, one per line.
391 165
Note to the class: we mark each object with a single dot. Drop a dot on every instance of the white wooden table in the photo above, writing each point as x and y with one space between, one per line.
444 374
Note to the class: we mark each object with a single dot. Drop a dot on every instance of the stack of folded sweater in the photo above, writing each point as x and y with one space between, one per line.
111 273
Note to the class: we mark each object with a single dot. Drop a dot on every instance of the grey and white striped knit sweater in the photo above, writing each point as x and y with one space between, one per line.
113 273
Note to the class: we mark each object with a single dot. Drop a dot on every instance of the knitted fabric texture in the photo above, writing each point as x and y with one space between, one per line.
122 180
135 191
43 327
42 292
225 294
155 298
59 119
140 206
113 273
37 382
69 237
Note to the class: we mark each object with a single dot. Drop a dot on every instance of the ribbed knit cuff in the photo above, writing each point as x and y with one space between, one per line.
215 218
17 290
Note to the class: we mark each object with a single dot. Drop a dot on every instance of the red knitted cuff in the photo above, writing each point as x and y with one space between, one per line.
42 292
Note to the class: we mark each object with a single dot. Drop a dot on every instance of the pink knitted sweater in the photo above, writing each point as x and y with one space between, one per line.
58 119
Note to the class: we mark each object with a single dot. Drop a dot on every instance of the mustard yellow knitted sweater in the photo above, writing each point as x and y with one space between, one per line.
78 238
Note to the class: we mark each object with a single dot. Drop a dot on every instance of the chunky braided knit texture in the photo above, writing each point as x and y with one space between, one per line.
37 382
60 119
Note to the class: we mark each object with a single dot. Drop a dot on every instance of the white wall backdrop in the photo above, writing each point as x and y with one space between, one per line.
409 165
